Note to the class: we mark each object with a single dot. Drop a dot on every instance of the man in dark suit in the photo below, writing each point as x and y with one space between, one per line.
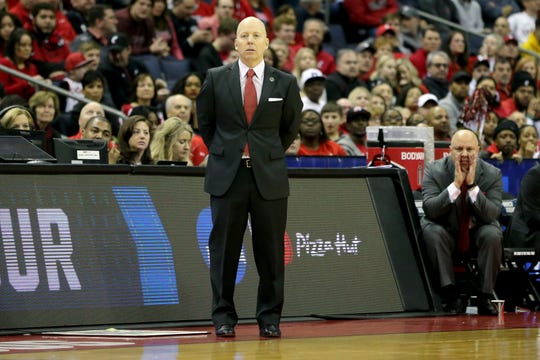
249 113
525 229
462 198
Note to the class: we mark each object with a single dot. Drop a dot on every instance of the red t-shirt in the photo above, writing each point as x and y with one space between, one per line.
326 148
15 85
199 151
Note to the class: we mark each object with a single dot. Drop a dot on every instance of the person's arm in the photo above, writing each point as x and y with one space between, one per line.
487 206
437 201
290 118
206 112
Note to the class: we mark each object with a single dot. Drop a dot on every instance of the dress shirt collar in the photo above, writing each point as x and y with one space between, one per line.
259 69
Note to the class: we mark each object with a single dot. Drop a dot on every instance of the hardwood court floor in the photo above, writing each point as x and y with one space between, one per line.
460 337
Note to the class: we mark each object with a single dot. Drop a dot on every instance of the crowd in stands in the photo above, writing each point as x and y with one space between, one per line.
358 63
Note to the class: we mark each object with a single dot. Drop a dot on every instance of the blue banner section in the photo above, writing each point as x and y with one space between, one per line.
156 263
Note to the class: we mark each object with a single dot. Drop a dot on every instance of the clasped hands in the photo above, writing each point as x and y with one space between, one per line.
461 176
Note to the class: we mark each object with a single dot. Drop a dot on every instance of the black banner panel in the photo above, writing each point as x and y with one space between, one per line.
88 249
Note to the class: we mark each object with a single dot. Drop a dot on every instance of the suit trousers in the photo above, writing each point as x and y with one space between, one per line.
268 220
440 246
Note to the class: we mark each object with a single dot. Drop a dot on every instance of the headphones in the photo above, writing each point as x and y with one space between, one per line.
11 107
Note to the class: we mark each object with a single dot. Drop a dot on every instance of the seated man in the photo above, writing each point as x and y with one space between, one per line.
525 229
462 198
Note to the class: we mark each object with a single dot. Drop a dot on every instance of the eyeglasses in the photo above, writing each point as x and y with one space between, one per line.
440 65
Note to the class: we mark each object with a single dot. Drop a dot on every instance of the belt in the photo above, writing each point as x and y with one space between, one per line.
246 162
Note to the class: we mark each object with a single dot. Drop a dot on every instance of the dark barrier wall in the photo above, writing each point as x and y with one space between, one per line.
97 245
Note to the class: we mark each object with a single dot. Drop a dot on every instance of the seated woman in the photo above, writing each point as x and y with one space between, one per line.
314 138
528 142
17 118
143 93
190 86
172 141
134 140
46 106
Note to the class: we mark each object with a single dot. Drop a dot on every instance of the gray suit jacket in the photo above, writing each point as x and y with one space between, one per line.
223 126
436 201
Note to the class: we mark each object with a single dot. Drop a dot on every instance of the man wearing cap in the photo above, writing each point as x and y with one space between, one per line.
505 143
510 50
480 68
523 90
119 68
354 143
366 60
312 83
340 83
462 197
426 102
453 102
435 81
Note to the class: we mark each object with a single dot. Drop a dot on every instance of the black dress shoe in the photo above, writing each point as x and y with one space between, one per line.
485 306
270 330
454 306
225 330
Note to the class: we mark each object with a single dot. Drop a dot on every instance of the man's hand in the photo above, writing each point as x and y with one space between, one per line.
497 156
459 175
473 159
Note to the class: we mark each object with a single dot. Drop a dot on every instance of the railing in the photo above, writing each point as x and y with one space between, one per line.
59 90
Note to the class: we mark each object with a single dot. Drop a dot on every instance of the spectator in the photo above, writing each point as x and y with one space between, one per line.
384 90
365 15
24 9
17 57
392 117
282 51
366 60
76 66
224 9
454 101
164 28
523 23
314 138
493 11
354 142
190 85
431 41
99 128
45 106
410 34
134 140
178 105
469 15
303 60
480 69
490 123
256 8
442 8
308 9
88 111
312 36
459 191
519 118
331 116
359 96
345 78
457 50
172 141
501 26
136 22
211 54
490 48
509 50
408 98
143 93
50 48
528 142
312 83
191 38
436 81
119 68
426 102
377 107
102 24
525 229
17 118
385 71
532 41
438 119
8 23
504 146
407 75
523 90
78 14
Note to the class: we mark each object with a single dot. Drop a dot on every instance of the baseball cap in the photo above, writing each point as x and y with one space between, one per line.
522 78
407 12
461 75
425 98
366 46
310 75
358 113
510 38
118 42
383 29
481 61
76 60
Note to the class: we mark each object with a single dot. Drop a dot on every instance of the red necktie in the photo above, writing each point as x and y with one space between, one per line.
464 220
250 101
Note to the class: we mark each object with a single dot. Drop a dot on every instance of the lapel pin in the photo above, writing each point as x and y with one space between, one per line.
271 79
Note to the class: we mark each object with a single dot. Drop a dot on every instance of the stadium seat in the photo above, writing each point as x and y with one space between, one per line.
173 70
152 63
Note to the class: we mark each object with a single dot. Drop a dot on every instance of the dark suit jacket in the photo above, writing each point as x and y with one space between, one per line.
526 217
436 202
223 126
